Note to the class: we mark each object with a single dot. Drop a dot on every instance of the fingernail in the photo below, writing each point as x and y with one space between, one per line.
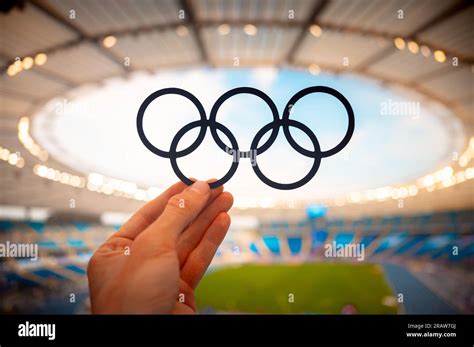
200 187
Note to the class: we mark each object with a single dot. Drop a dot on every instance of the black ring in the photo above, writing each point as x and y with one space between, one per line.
174 145
245 90
148 101
309 175
326 90
274 126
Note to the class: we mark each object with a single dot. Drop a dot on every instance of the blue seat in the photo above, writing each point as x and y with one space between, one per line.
465 252
344 238
317 238
446 250
253 248
434 243
14 278
48 244
47 273
295 244
316 211
410 243
6 225
273 243
390 241
366 240
76 243
82 227
461 242
38 227
74 268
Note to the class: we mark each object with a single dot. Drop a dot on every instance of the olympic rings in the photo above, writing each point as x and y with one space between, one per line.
246 90
148 101
255 150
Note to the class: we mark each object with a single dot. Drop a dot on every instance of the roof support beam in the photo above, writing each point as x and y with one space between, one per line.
273 22
191 20
82 35
317 10
453 10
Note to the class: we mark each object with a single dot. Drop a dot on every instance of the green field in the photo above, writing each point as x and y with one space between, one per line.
317 288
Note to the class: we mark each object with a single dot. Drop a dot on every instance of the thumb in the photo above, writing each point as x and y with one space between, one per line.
180 211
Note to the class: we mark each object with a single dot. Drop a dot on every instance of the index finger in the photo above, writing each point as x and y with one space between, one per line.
148 213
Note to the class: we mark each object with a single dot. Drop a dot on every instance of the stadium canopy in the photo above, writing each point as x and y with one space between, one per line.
51 47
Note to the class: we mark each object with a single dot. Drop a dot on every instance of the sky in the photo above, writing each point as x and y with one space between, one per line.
93 129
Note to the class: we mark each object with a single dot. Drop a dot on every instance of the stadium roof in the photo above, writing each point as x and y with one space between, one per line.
87 41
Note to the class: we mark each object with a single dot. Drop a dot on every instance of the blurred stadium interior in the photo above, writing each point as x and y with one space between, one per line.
419 233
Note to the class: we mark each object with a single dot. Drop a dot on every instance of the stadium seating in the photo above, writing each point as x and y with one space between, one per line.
66 248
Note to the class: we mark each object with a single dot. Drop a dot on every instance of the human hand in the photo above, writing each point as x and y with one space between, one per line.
157 258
